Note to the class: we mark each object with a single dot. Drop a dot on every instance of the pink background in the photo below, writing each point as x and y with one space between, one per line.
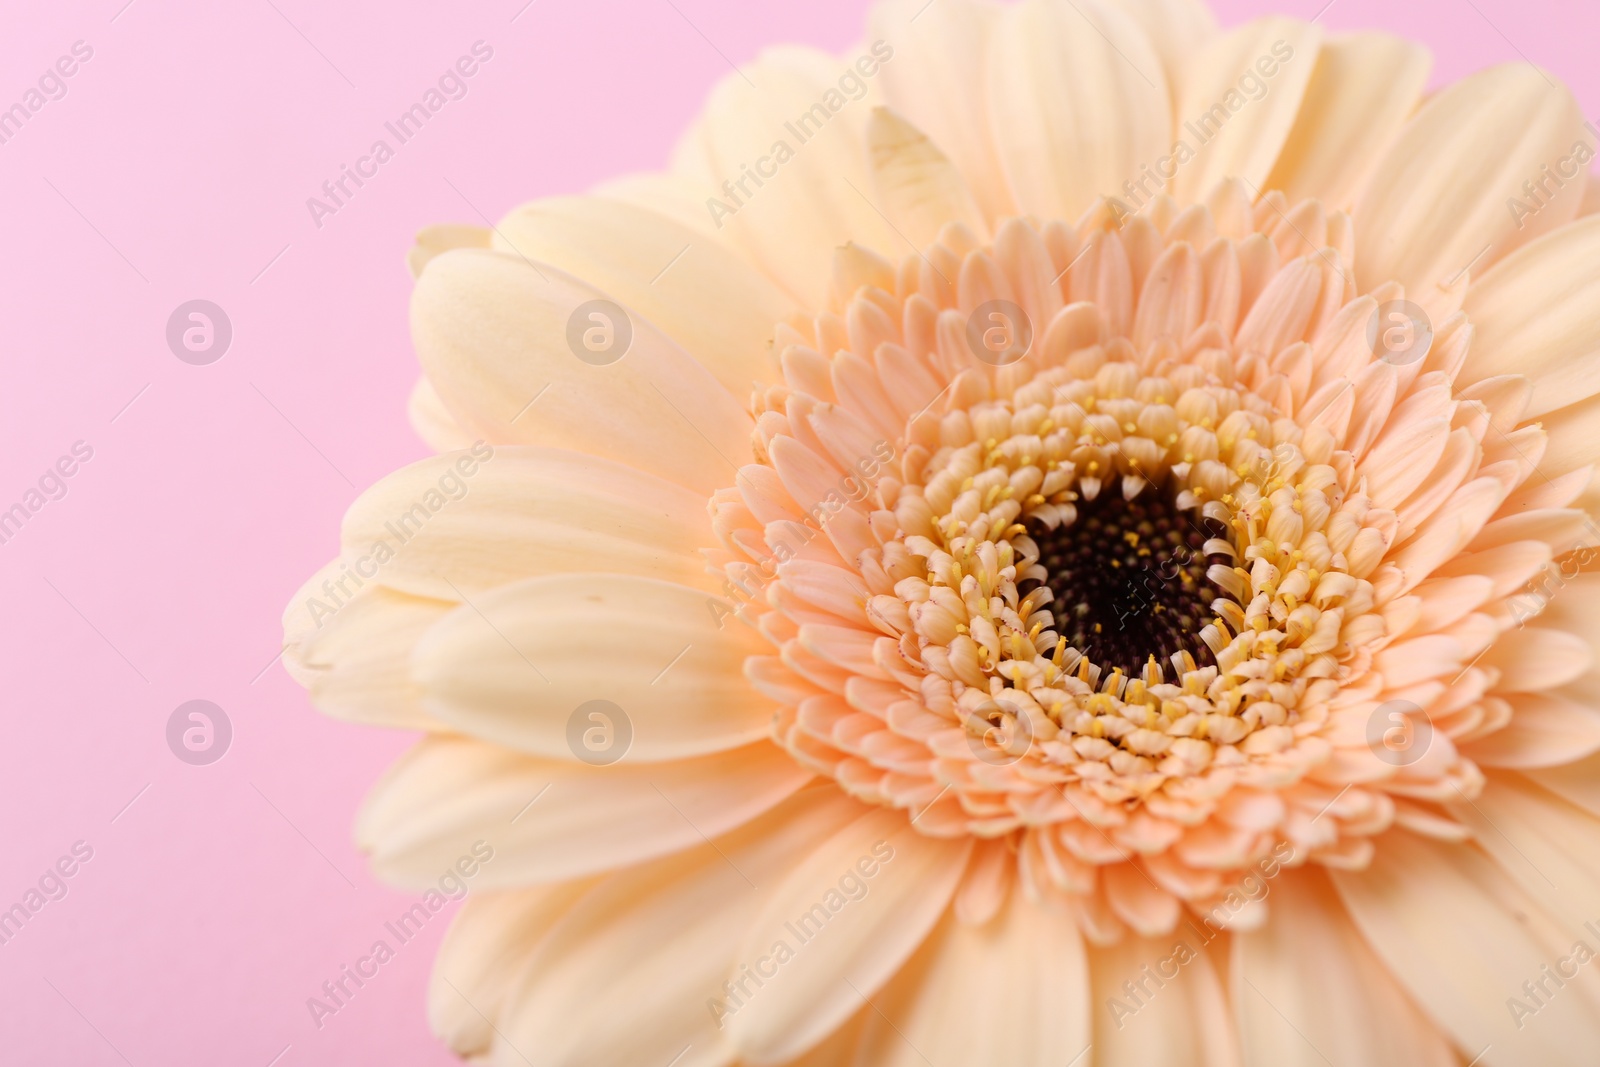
177 166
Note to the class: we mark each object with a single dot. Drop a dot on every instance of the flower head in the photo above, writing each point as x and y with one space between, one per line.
1077 547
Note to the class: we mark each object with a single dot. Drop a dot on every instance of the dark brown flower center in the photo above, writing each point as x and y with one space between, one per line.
1129 579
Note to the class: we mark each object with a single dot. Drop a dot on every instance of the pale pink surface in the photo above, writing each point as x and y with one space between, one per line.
191 141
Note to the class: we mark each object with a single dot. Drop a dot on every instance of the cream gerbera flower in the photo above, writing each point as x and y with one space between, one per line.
1055 537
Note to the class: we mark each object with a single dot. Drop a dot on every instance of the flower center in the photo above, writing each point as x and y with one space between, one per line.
1128 578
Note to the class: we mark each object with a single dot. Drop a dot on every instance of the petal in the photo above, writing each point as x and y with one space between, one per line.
654 945
1460 935
920 189
1546 730
553 820
959 1000
433 240
1310 991
358 662
1363 88
519 666
937 82
1078 101
1437 202
717 306
1159 1000
1550 848
1176 29
493 331
489 940
1234 117
843 948
774 120
433 421
463 523
1533 314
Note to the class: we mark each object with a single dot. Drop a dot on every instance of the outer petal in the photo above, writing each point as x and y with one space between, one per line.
1534 315
356 664
713 303
1549 847
1363 88
552 820
1437 202
1309 991
492 332
1235 131
919 188
1078 102
843 949
1178 1016
463 523
433 421
654 944
937 81
1461 937
490 939
1013 991
812 197
1176 28
518 667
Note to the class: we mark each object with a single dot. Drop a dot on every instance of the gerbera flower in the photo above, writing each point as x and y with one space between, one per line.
1055 537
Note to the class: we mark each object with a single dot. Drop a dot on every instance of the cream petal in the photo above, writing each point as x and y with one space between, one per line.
1078 103
959 1000
1343 1010
489 940
308 610
654 944
1242 141
1363 88
1572 434
433 240
433 421
519 665
812 195
1546 730
679 198
1533 314
461 524
920 189
550 820
1550 848
844 949
1460 935
717 306
1578 783
492 332
358 662
936 80
1159 1000
1437 202
1176 29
